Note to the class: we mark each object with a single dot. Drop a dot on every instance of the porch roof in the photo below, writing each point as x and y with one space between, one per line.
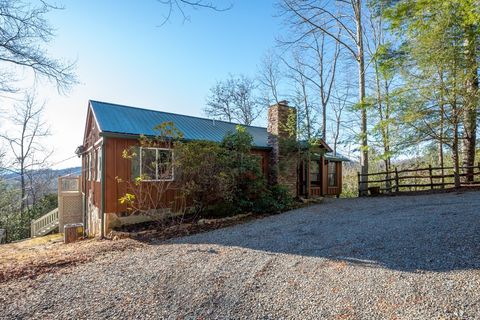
330 156
336 157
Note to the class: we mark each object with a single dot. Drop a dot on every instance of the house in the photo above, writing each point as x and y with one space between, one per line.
111 128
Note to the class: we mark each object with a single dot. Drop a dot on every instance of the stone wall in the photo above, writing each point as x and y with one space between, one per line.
283 163
94 220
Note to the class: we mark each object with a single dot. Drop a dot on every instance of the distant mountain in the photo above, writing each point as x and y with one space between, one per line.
56 172
48 178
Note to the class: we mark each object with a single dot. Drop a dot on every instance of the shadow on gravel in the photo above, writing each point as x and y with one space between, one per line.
410 234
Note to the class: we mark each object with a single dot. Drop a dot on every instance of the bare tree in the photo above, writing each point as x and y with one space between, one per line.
301 97
247 108
40 182
181 6
25 141
325 75
338 104
320 72
234 100
24 28
384 70
220 103
269 77
341 21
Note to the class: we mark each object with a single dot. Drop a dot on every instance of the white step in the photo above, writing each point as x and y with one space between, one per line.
51 218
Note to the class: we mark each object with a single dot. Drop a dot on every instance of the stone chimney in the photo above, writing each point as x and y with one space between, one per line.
278 118
282 171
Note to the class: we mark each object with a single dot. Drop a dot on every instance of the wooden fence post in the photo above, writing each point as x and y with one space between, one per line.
431 176
359 188
397 187
478 164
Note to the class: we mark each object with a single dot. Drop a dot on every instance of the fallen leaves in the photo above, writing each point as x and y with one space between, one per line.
29 261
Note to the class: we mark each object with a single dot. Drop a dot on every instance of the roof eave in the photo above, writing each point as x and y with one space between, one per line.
109 134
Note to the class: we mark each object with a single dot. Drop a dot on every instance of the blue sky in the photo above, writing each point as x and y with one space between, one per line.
123 56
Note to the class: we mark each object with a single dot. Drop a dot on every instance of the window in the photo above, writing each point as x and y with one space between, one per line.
315 173
94 165
99 164
91 169
87 166
156 164
332 174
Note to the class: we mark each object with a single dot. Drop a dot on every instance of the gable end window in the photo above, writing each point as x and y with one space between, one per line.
98 171
156 164
89 166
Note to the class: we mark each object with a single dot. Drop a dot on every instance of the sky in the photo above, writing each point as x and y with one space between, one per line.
124 56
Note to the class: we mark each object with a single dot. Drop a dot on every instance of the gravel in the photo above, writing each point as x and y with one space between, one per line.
415 257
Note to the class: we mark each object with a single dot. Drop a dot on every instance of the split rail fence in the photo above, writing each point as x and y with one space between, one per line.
420 179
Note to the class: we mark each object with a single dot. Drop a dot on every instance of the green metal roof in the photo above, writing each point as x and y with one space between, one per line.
126 120
328 156
336 157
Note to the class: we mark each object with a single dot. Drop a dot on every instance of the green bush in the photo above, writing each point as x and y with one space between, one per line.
17 223
201 174
275 199
221 179
221 210
225 179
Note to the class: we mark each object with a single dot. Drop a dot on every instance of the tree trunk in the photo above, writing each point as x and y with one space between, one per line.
22 167
324 121
471 105
307 110
440 144
361 96
455 153
456 161
22 192
337 132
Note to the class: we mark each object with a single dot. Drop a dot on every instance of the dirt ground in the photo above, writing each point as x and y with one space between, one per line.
33 257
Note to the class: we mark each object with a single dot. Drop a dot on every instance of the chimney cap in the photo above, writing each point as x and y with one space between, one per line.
283 102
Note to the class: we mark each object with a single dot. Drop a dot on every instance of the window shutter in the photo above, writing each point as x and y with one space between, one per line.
99 164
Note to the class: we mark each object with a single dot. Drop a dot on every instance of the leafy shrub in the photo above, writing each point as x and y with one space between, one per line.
244 168
275 199
221 179
216 179
221 210
202 174
17 223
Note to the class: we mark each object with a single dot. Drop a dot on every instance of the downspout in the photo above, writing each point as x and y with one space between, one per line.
84 195
102 223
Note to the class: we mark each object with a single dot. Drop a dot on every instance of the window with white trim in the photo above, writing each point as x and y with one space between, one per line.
156 164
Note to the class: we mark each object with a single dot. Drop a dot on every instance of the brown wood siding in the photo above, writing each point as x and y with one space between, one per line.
118 167
264 154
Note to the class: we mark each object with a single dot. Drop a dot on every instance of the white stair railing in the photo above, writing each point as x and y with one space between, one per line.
44 223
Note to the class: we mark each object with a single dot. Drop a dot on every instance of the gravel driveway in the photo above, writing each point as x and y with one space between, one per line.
415 257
